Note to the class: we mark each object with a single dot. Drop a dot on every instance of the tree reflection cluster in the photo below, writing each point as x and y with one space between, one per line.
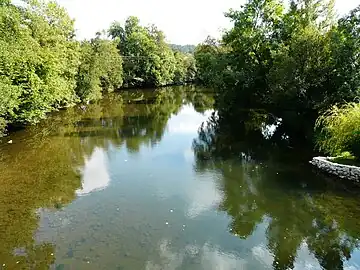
39 170
271 180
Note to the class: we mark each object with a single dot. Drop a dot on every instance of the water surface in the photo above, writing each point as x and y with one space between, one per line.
118 186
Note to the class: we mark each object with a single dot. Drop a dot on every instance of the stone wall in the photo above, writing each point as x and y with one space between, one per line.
343 171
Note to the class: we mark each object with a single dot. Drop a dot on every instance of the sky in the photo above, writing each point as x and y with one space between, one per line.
183 22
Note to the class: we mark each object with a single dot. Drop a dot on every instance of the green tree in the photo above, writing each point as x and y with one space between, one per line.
148 59
139 51
38 61
100 69
293 62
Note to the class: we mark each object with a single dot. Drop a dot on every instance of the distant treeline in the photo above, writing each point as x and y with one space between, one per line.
183 48
44 68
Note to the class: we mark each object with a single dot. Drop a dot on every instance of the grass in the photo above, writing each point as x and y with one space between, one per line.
346 159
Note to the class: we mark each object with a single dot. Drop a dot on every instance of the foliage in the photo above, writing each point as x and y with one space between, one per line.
38 60
148 59
294 62
346 158
100 69
209 58
340 130
185 70
43 68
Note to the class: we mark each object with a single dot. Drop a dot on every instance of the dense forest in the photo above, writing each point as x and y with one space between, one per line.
44 68
296 62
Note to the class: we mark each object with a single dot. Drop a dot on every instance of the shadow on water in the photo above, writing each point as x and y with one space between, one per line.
265 178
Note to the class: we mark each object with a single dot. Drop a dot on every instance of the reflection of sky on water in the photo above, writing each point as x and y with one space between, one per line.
156 212
94 174
305 260
209 257
174 151
187 121
203 196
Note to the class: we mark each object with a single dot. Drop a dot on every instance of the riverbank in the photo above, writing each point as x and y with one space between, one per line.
328 165
45 67
13 127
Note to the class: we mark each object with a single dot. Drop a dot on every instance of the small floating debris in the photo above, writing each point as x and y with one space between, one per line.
52 254
184 225
171 210
118 209
10 142
3 264
125 160
167 223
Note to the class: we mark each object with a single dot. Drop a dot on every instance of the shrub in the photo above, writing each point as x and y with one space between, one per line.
340 130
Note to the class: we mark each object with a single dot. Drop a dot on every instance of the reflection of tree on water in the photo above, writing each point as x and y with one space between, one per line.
38 170
131 123
34 173
264 185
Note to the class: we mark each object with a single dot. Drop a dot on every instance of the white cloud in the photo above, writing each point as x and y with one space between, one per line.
184 22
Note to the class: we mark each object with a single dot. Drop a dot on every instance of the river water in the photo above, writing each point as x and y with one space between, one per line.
117 185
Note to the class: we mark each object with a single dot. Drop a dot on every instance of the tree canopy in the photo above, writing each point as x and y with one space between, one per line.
148 59
294 60
44 68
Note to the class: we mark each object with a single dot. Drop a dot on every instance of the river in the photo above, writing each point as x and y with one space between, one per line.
117 185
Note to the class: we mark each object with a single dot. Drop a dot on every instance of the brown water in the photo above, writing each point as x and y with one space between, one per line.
117 186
